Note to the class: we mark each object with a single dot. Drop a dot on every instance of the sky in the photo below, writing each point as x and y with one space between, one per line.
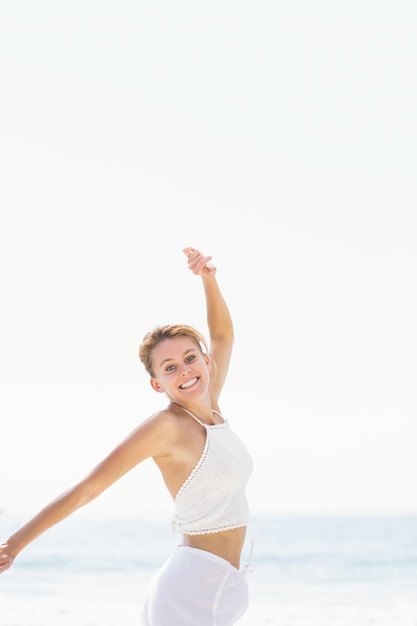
280 138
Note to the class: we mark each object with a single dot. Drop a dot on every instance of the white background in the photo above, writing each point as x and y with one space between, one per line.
278 137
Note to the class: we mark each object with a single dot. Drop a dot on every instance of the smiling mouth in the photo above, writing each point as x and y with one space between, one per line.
189 383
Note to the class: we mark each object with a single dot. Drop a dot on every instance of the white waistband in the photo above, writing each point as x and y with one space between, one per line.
208 555
247 569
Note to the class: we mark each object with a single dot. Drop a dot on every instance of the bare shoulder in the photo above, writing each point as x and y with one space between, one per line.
164 419
155 437
163 428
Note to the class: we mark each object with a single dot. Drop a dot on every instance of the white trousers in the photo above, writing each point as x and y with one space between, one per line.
195 588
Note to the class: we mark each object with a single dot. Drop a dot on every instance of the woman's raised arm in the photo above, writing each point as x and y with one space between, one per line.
219 320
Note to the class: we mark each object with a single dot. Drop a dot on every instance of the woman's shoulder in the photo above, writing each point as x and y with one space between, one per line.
170 432
169 419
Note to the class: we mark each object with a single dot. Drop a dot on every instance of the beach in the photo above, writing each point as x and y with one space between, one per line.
53 611
307 572
100 605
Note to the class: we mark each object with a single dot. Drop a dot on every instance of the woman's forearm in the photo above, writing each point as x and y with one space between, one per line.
219 320
54 512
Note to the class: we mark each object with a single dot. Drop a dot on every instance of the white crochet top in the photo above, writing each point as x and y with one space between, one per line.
213 497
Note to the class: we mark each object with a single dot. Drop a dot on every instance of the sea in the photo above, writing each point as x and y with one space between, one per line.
307 571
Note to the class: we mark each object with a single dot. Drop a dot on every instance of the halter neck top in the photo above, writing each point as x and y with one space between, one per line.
213 497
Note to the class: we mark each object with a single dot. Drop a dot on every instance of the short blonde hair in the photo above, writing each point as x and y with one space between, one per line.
160 333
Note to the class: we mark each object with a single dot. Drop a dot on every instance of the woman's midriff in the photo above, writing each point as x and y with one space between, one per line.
227 544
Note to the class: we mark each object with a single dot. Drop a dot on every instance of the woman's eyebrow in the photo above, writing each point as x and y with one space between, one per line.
170 358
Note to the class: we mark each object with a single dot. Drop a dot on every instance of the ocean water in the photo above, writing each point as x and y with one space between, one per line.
308 571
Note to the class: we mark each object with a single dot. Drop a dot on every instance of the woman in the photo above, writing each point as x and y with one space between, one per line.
204 466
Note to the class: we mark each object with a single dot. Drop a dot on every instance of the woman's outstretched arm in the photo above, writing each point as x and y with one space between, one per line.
150 438
219 320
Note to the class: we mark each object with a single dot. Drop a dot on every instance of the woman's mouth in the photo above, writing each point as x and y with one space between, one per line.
189 383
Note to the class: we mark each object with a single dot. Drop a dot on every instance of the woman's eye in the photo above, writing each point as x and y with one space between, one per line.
169 368
190 358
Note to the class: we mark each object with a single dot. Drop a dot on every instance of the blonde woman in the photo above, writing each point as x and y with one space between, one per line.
202 462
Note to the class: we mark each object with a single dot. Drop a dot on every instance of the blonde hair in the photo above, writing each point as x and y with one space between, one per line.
160 333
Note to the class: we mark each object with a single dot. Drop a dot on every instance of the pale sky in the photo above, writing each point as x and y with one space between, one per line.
278 137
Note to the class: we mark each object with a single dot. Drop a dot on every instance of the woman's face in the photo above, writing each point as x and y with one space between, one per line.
180 368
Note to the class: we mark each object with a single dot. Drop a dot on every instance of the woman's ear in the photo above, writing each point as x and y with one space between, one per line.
155 385
208 361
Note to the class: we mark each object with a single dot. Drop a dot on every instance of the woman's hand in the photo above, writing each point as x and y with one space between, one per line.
198 263
6 558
